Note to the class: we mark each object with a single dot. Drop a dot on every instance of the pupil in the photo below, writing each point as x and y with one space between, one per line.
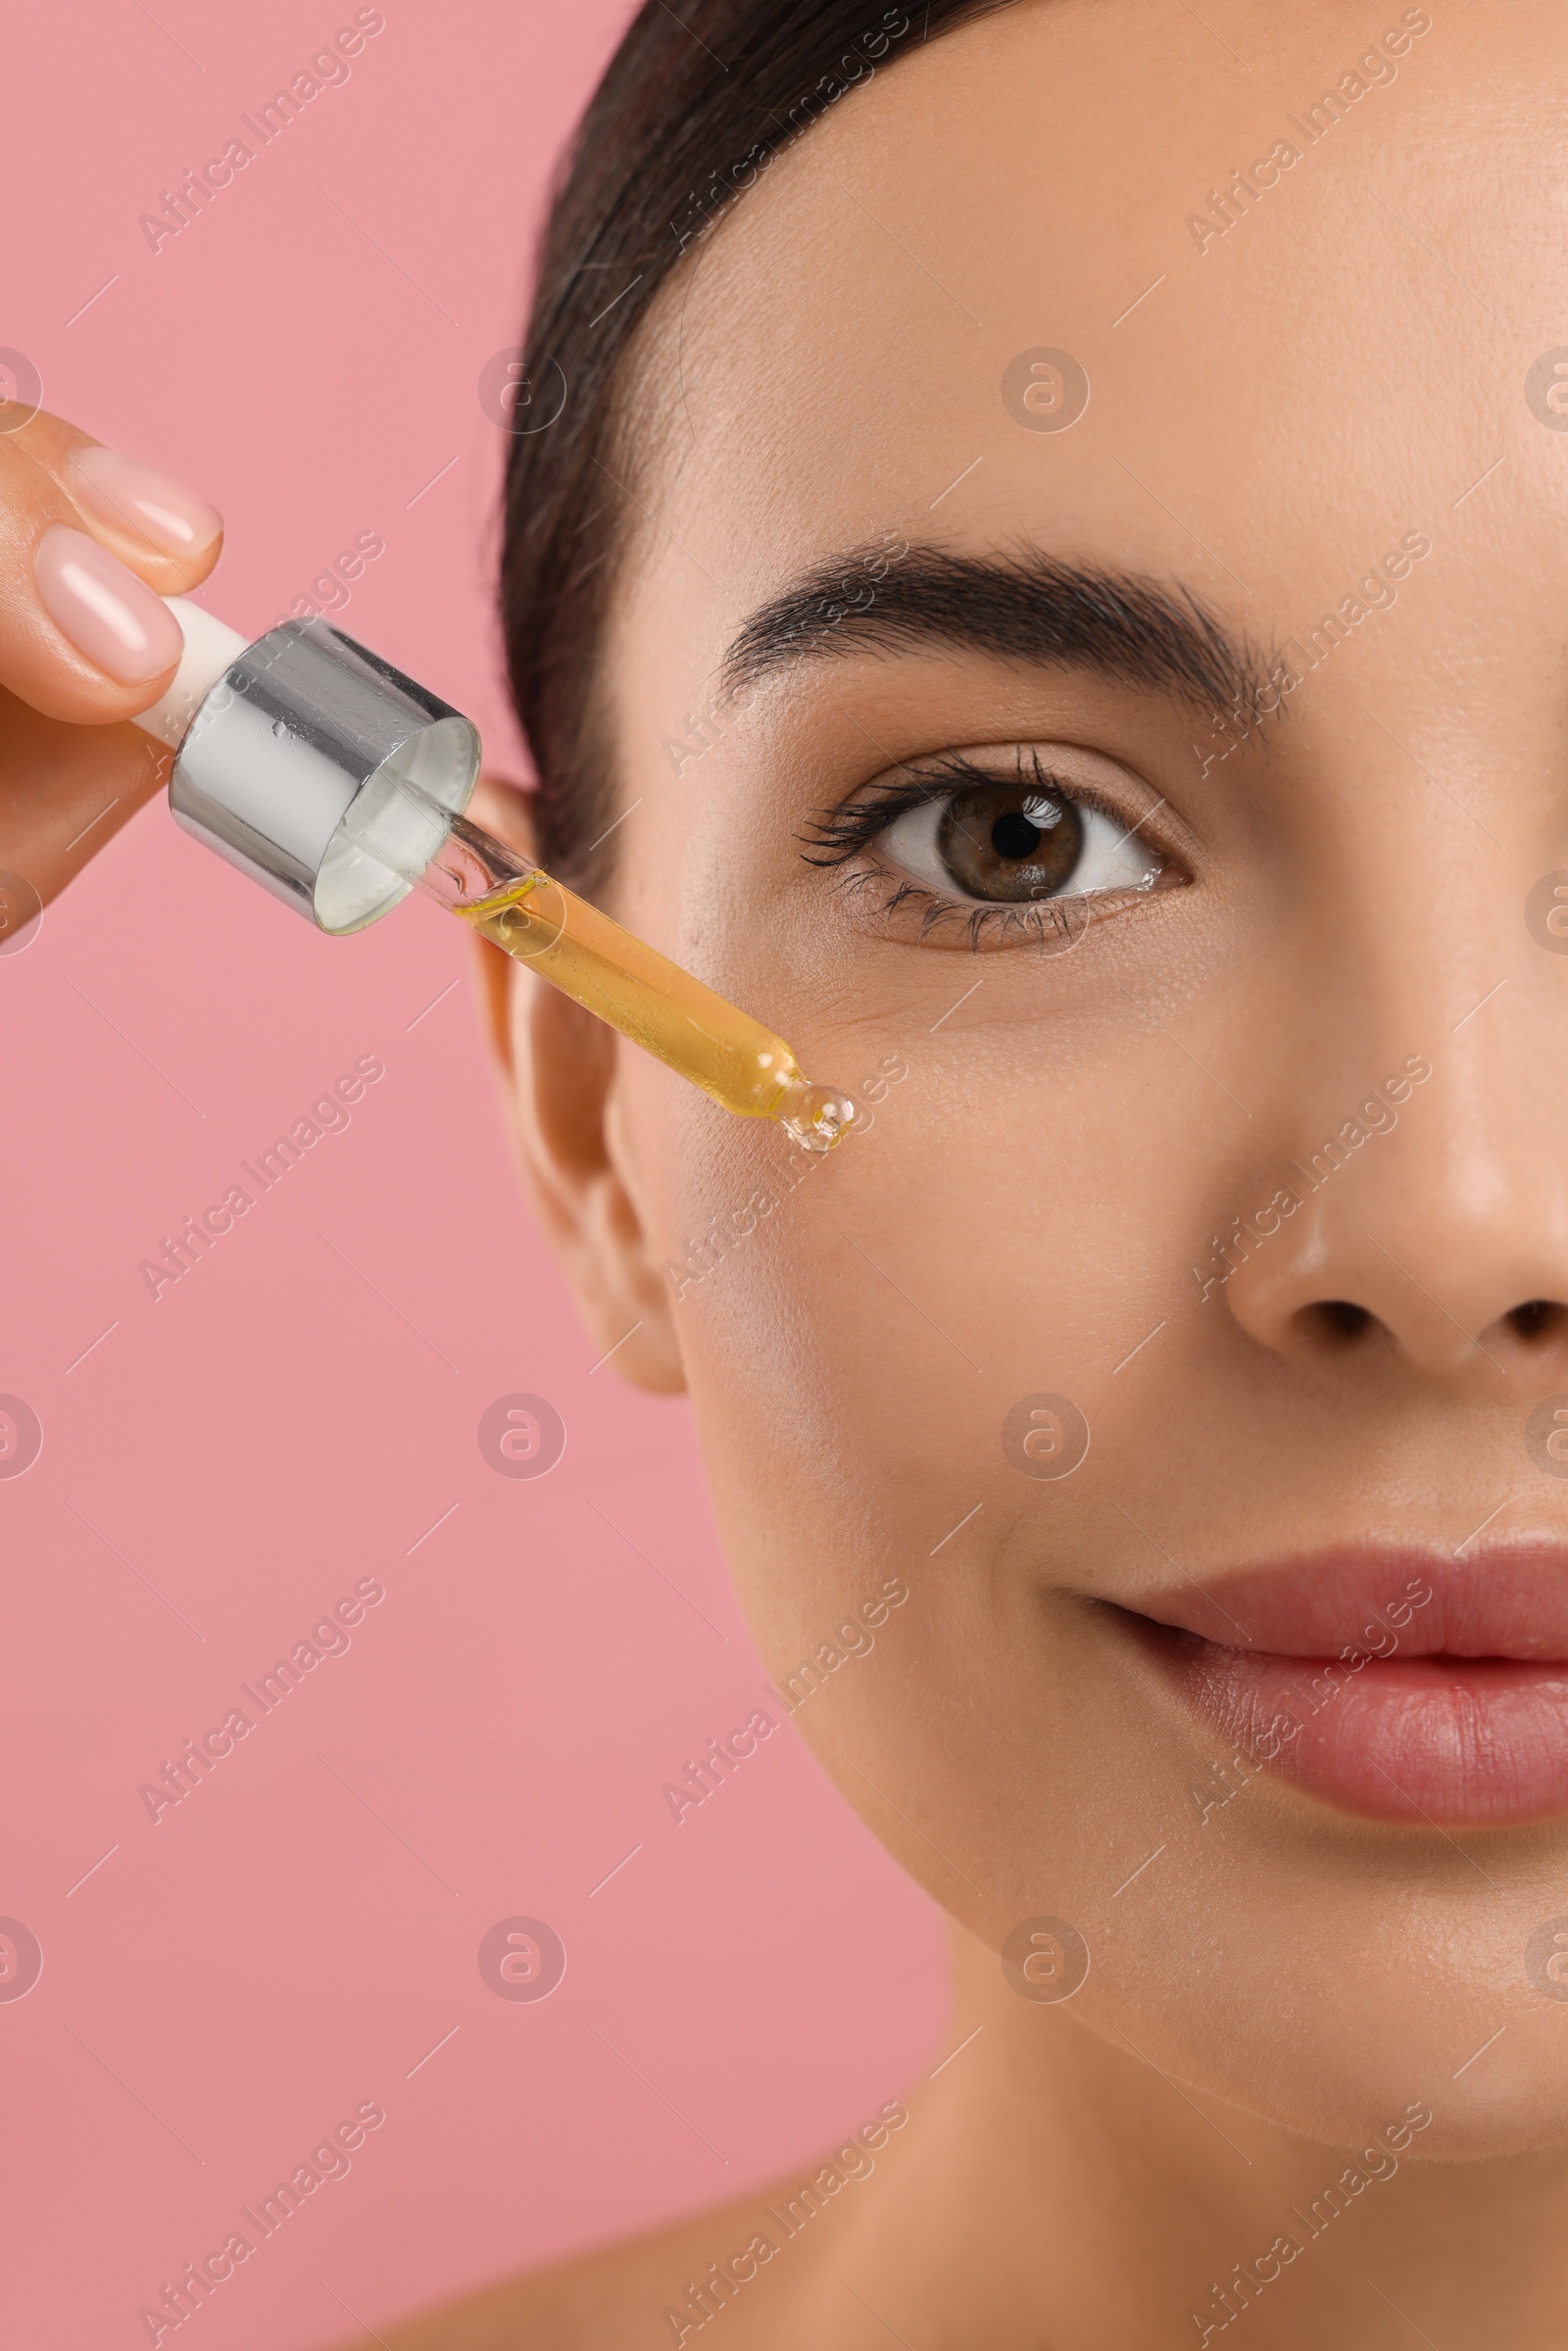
1014 836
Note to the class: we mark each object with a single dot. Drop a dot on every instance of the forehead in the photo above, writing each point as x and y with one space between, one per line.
1295 270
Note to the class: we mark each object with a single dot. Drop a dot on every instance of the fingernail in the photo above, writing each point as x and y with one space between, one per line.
111 616
122 491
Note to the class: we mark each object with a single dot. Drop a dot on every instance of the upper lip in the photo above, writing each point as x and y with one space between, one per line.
1504 1600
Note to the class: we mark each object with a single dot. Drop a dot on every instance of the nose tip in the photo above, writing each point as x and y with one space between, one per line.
1427 1228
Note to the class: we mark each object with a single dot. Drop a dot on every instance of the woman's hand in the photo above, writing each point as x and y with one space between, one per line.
89 541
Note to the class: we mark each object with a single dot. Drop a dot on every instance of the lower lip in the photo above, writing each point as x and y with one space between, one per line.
1455 1742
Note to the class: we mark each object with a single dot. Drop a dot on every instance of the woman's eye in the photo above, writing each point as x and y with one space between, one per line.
1006 843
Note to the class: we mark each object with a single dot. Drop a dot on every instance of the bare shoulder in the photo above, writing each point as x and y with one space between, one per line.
756 2262
616 2298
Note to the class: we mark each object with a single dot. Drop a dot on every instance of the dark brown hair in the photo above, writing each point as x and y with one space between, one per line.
691 112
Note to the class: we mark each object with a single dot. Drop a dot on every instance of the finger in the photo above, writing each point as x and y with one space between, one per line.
65 791
166 534
84 635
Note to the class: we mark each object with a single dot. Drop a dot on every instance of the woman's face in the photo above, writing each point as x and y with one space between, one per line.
1250 1165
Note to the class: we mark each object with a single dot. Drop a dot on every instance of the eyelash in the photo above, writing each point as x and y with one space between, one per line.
848 831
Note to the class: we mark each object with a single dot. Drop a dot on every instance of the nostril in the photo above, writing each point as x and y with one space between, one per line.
1537 1318
1338 1317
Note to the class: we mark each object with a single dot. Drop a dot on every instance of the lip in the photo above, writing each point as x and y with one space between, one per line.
1398 1684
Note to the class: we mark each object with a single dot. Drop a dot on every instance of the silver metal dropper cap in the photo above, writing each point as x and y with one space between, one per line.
283 746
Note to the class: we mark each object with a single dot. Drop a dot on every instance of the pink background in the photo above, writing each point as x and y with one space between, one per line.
297 1413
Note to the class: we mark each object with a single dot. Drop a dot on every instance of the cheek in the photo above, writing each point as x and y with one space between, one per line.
864 1355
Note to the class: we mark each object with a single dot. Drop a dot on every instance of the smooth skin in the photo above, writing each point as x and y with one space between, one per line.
1339 369
1343 368
1273 1982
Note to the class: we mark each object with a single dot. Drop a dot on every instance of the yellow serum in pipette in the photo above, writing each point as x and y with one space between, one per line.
658 1006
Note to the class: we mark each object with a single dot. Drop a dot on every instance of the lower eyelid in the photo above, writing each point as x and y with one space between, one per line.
998 923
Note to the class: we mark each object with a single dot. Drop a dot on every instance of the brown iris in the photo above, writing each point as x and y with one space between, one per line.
1010 841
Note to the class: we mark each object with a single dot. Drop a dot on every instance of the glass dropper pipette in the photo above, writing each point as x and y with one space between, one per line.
339 784
668 1012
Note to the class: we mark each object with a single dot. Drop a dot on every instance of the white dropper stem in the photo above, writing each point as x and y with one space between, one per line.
210 646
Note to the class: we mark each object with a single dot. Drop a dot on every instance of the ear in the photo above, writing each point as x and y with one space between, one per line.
555 1064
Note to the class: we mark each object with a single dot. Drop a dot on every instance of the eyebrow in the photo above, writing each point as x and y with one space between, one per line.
1028 606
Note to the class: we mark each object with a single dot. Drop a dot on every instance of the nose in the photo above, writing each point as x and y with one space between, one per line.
1429 1224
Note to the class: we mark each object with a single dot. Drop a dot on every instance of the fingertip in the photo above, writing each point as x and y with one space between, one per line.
128 496
104 612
